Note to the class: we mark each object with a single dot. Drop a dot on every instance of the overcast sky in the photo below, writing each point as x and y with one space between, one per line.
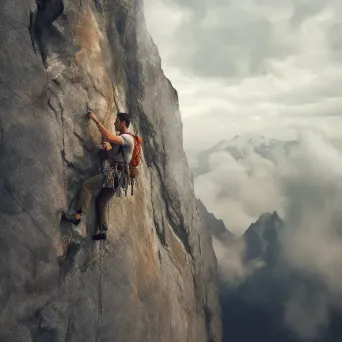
260 66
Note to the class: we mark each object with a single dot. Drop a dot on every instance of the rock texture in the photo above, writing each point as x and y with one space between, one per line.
154 279
215 226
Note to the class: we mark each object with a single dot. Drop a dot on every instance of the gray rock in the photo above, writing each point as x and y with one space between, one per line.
215 226
154 279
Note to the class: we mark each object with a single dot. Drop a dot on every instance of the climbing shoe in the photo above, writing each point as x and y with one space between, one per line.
100 236
71 218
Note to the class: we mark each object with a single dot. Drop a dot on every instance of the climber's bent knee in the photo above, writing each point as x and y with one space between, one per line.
90 184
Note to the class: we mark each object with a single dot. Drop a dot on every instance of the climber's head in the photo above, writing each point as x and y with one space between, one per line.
122 122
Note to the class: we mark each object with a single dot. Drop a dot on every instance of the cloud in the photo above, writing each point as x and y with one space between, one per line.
303 10
312 238
234 39
305 187
306 314
248 66
230 261
229 40
239 191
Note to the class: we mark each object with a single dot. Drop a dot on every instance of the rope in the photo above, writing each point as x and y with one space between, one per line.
113 97
100 317
114 87
80 6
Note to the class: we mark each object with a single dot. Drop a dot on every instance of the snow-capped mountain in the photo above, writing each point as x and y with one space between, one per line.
245 142
242 145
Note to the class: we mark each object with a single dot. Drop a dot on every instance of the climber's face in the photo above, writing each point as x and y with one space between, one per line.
118 125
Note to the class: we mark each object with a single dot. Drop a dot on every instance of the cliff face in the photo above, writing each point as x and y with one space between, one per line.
154 279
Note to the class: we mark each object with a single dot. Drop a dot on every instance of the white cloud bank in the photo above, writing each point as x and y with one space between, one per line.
312 239
306 189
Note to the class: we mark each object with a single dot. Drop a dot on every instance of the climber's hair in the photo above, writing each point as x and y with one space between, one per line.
124 117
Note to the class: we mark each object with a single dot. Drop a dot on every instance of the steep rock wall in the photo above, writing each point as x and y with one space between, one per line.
154 279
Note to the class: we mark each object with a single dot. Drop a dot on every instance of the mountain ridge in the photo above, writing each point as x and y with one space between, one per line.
241 146
254 308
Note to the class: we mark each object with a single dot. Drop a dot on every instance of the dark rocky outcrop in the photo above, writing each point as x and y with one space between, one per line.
155 277
254 309
215 226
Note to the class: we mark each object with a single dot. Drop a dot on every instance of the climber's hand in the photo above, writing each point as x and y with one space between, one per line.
93 117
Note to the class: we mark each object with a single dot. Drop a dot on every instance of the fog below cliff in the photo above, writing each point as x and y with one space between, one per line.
240 180
301 180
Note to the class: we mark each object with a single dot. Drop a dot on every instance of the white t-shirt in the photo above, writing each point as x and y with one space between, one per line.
128 146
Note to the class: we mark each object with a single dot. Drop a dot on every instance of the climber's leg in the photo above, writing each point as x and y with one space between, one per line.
89 185
102 206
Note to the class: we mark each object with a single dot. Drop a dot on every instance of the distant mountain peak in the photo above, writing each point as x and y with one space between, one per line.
262 235
244 141
266 220
240 147
216 226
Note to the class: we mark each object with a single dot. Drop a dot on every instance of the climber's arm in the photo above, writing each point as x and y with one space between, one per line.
107 135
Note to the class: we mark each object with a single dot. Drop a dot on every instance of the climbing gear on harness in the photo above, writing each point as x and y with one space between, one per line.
109 180
116 177
103 153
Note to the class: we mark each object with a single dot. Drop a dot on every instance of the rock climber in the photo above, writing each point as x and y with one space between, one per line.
114 176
